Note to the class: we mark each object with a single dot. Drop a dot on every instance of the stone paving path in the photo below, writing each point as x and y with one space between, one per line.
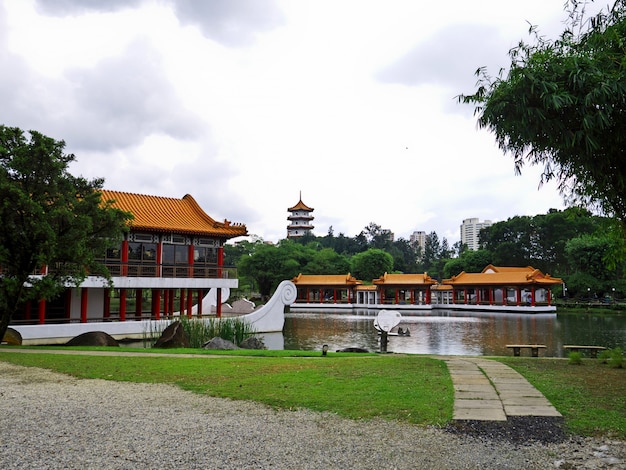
488 390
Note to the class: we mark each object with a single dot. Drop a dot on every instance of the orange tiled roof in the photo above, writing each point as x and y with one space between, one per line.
301 206
325 280
163 214
404 279
509 276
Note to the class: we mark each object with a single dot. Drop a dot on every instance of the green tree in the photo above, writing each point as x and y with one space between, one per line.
371 264
562 106
432 251
327 261
49 218
470 261
268 265
588 257
510 241
404 256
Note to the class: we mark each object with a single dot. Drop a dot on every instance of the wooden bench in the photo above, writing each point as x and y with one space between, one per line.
593 350
534 348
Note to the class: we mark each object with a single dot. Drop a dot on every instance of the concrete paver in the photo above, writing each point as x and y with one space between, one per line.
487 390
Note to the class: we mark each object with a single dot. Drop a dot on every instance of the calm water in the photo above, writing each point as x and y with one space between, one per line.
456 333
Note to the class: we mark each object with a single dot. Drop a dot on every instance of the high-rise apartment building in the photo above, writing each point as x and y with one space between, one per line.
470 230
418 238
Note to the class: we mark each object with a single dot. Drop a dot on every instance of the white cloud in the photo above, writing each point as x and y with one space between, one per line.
244 104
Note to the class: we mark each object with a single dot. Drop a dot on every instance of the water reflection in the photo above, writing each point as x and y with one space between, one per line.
454 333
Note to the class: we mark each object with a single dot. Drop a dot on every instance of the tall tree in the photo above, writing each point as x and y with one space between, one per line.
327 261
268 265
371 264
562 105
49 218
432 251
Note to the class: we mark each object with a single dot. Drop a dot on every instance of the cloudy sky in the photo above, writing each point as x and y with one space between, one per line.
245 104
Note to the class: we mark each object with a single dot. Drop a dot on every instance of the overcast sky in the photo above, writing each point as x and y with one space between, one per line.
246 103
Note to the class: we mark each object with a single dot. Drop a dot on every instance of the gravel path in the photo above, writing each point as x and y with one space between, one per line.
52 421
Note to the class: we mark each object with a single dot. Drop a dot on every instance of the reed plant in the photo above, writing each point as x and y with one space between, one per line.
201 330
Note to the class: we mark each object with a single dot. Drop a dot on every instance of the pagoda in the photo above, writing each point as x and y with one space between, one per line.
300 220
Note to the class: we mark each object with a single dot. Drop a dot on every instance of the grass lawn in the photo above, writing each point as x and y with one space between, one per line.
591 396
411 388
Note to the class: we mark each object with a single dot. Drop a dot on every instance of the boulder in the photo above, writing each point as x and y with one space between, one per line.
174 336
219 343
93 338
243 306
252 342
12 337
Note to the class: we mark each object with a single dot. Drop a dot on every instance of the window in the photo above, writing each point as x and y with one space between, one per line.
142 252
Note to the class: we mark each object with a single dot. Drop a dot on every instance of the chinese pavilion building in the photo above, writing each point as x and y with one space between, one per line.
169 260
300 219
325 288
503 286
405 289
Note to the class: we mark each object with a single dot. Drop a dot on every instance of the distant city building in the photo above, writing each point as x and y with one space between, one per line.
418 238
300 220
470 230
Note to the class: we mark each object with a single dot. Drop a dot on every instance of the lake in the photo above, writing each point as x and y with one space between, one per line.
452 332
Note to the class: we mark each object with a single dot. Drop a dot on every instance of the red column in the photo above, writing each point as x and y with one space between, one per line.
465 295
549 295
428 295
218 299
84 302
453 295
189 302
519 295
190 260
42 311
166 302
532 296
122 304
491 296
220 260
156 304
218 306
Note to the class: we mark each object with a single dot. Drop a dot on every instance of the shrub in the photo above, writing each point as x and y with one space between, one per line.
575 358
604 356
616 359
